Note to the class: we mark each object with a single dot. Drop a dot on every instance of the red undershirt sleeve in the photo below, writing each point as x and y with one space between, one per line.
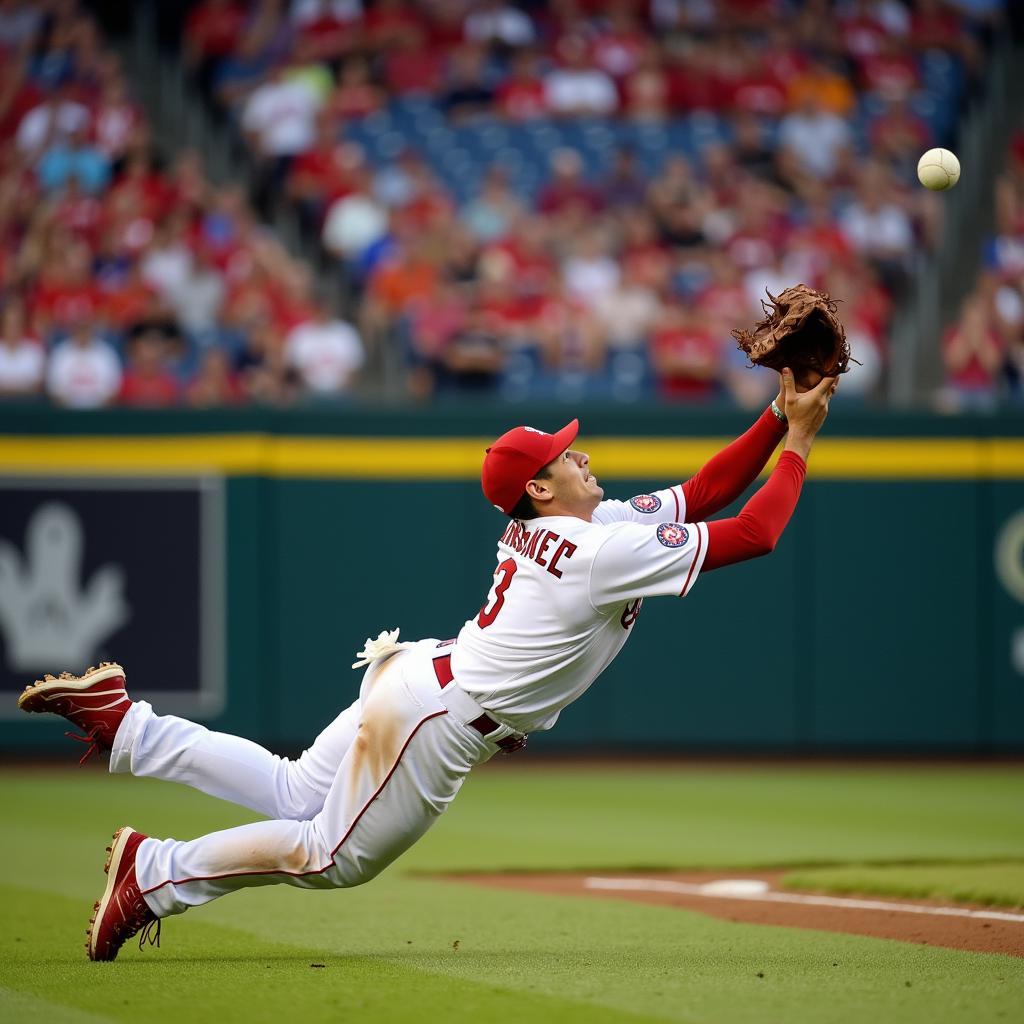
758 527
728 474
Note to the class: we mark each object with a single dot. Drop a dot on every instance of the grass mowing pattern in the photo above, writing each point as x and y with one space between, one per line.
679 816
389 947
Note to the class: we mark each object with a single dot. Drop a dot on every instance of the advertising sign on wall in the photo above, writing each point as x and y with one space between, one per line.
123 570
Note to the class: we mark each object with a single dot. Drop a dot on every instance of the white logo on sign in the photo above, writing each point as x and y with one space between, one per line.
1009 555
48 619
1009 562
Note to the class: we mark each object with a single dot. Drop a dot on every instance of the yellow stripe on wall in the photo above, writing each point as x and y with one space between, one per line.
415 458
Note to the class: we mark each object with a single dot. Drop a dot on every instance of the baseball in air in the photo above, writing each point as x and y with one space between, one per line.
938 169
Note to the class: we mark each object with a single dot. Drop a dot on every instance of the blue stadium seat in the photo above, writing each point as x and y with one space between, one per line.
377 123
521 374
628 374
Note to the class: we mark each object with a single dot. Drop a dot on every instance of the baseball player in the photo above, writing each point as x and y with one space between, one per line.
572 573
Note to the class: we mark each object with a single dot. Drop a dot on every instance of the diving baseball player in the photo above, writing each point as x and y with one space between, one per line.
572 573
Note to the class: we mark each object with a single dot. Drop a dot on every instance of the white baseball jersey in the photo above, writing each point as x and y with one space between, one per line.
565 596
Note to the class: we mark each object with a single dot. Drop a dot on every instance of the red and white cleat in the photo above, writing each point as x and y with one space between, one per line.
121 912
95 702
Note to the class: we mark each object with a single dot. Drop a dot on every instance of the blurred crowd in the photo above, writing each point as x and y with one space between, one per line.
577 198
654 166
983 351
124 281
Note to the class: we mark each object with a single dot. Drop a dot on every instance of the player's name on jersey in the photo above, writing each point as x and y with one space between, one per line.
535 545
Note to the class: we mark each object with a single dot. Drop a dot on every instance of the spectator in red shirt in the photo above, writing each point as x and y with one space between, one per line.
521 97
686 354
569 339
445 24
527 253
934 25
356 94
752 12
392 23
412 66
147 381
724 300
67 294
646 89
785 42
311 169
18 92
892 72
973 353
132 301
140 178
211 31
324 174
755 87
432 322
817 242
214 383
79 214
856 285
644 255
568 192
186 185
898 137
693 82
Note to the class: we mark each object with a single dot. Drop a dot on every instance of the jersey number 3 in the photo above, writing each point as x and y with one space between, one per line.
496 598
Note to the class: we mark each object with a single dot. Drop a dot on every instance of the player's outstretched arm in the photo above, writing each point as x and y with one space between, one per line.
725 476
758 527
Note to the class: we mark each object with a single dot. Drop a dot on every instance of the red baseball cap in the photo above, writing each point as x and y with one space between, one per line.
513 460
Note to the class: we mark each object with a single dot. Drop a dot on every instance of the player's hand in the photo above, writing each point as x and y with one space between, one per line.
780 399
806 412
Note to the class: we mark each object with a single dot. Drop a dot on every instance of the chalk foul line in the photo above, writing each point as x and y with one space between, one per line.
715 890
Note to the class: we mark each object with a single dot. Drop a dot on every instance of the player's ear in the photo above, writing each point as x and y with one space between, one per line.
539 490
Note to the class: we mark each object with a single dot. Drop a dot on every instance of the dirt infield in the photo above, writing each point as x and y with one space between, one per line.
754 898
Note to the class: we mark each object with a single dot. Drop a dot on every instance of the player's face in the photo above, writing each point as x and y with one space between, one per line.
574 487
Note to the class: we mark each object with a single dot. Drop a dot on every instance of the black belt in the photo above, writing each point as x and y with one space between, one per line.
484 725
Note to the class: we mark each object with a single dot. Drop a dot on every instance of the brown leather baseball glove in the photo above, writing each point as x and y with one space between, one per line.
800 330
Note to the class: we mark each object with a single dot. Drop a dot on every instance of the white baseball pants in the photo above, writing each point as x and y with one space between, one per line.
371 784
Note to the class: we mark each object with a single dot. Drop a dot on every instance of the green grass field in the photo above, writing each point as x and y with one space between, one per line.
410 947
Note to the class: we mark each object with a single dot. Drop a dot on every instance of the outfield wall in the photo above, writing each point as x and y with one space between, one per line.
234 561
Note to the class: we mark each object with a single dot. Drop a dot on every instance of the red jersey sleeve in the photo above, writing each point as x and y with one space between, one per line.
729 473
758 527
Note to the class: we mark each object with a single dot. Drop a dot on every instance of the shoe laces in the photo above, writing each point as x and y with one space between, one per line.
150 933
140 920
92 737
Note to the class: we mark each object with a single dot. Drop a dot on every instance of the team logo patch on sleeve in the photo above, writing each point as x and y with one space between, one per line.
673 535
646 502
